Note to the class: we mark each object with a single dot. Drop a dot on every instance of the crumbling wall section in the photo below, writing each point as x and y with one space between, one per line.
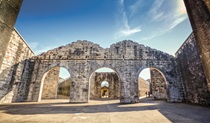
193 77
126 58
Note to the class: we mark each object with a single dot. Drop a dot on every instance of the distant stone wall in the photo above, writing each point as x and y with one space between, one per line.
95 84
64 87
193 77
158 84
15 69
126 58
144 87
50 85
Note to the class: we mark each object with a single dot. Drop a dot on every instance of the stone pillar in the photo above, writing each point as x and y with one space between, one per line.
129 86
198 12
9 10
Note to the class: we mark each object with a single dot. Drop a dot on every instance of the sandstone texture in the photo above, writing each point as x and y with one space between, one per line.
15 70
50 84
9 10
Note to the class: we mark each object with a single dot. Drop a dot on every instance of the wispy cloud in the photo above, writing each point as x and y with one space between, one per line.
167 20
121 2
156 6
135 7
125 28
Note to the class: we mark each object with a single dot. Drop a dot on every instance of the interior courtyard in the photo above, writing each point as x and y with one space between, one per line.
105 85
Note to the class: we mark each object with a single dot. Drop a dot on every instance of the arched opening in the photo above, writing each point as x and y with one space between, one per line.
104 89
152 84
104 83
55 84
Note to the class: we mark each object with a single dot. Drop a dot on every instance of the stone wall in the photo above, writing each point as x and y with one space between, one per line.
199 15
144 87
14 68
64 87
95 84
158 84
50 85
127 58
9 10
193 77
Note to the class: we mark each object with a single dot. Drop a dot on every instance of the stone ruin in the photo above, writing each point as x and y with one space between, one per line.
82 58
187 75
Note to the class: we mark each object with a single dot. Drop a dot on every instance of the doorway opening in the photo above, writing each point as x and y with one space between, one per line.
152 84
55 84
104 84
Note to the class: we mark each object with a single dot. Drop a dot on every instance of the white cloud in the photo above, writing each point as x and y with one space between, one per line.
167 20
135 7
158 16
125 28
176 22
121 2
156 6
130 31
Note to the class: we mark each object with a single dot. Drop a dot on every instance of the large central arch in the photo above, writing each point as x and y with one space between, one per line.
127 58
110 77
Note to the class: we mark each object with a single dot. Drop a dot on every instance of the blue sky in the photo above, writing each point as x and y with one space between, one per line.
160 24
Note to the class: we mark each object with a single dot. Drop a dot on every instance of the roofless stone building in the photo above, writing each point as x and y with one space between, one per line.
186 76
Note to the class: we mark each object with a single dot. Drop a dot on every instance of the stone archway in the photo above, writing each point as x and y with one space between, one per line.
168 75
124 57
49 82
96 81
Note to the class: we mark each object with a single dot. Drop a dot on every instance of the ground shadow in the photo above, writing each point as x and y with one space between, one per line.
175 112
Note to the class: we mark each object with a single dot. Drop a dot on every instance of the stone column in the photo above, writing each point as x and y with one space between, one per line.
9 10
198 12
129 86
